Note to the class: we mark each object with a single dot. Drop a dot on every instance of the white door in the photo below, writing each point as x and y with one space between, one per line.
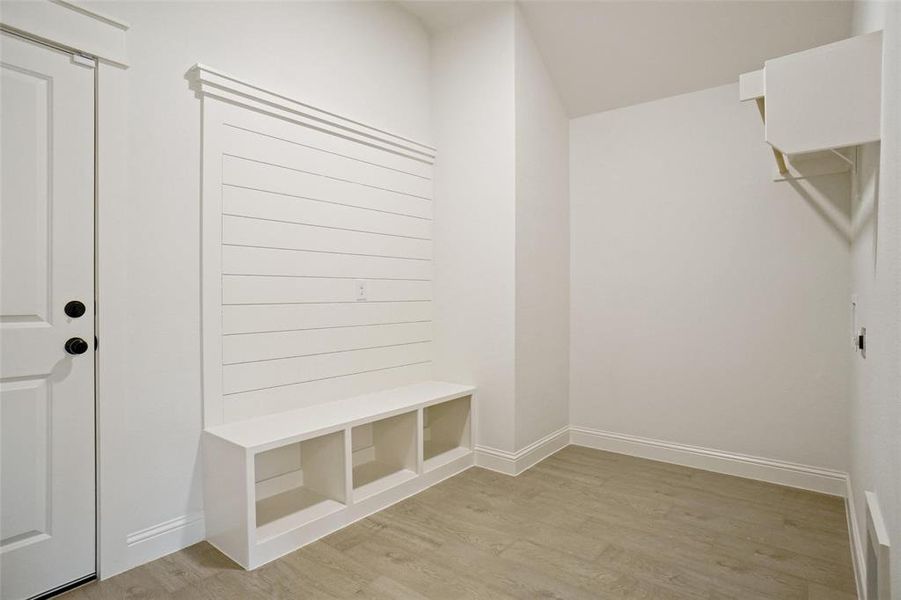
47 494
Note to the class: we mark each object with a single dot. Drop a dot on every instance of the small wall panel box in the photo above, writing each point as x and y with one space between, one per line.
277 482
820 99
877 548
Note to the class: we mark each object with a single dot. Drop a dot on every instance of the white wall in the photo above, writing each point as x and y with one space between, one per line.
709 304
368 61
501 227
875 412
542 247
474 235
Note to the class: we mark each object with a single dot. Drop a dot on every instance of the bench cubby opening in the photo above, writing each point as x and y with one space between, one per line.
446 432
299 483
277 482
384 454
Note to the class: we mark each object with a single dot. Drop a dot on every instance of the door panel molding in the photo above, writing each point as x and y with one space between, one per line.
47 396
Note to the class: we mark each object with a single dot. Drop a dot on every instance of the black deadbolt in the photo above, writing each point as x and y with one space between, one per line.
76 346
74 309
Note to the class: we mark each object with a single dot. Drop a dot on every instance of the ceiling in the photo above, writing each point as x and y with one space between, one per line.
609 54
438 15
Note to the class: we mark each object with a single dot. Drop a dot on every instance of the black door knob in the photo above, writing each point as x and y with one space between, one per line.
76 346
74 309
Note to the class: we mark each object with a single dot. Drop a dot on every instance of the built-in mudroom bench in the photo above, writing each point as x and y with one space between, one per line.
319 400
353 457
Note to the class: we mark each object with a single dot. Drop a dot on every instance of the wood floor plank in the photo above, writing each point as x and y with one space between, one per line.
819 592
385 588
581 524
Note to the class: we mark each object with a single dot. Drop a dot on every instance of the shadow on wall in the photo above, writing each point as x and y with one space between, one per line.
865 204
831 202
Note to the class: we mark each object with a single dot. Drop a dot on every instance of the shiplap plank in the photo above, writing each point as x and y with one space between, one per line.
277 178
270 149
257 318
272 290
237 260
304 214
269 205
243 231
283 344
328 142
251 376
272 400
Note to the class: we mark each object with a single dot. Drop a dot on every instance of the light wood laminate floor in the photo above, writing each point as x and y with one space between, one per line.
580 524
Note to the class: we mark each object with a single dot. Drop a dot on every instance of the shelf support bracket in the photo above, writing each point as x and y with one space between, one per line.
780 158
843 157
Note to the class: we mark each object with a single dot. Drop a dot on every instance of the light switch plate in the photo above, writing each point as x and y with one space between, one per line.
360 290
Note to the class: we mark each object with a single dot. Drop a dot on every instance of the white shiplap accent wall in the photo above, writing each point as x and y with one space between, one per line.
298 205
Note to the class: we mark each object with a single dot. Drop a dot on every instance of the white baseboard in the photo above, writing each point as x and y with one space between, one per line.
514 463
805 477
795 475
167 537
858 558
163 538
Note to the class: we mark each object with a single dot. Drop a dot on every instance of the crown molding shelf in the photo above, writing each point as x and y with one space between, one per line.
209 82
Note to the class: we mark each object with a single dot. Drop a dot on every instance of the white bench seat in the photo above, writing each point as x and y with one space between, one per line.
346 459
263 433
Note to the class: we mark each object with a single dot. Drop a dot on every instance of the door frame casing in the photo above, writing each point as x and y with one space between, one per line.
111 281
69 26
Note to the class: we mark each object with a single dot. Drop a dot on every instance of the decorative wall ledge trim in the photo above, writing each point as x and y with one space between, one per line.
209 82
77 6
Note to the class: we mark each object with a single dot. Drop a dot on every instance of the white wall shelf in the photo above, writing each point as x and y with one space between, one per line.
821 99
275 483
